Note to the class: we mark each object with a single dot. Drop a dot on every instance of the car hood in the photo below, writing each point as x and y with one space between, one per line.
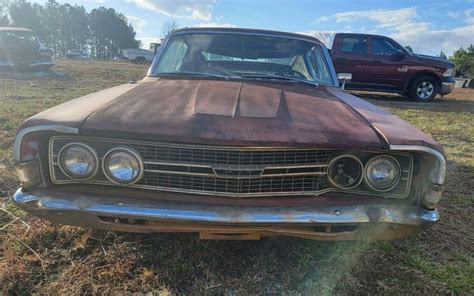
233 113
434 60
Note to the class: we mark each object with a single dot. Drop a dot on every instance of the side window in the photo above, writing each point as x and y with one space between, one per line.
300 67
173 57
384 47
356 45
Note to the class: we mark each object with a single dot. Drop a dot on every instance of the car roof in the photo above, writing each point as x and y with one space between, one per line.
362 34
246 31
14 29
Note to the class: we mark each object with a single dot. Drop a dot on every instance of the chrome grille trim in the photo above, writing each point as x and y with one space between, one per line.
264 169
188 182
192 168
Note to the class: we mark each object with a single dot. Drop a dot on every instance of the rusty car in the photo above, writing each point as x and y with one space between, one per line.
233 134
21 49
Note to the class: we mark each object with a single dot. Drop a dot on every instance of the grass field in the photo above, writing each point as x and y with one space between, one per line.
39 257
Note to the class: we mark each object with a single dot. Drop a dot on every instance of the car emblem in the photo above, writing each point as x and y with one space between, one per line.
403 69
237 172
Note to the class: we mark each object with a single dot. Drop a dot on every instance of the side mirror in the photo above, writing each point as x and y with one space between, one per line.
342 78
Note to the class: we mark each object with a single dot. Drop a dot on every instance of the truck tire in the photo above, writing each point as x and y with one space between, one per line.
140 60
423 89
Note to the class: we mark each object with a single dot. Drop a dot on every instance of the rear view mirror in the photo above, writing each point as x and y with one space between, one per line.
343 77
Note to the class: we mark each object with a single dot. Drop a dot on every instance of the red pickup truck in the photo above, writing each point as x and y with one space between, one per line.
378 63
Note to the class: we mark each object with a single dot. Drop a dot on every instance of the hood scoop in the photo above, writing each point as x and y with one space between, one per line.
236 100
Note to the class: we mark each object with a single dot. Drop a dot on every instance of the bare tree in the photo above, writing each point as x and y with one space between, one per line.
169 27
325 37
4 21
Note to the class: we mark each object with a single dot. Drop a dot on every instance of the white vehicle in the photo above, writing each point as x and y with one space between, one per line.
138 55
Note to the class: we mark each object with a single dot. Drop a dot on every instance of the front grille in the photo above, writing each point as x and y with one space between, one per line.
231 156
216 170
278 185
225 171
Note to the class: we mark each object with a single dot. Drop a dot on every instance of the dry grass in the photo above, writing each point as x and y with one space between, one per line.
40 257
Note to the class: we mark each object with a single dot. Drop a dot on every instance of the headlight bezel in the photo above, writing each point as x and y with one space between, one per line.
132 152
359 179
391 159
71 175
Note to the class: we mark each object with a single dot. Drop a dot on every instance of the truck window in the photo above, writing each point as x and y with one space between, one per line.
384 47
356 45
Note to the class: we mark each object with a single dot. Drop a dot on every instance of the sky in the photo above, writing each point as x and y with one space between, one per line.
427 26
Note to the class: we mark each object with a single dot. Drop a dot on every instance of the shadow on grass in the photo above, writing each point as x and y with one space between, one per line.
437 105
28 75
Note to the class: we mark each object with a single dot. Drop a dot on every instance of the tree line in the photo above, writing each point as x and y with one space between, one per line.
102 31
463 59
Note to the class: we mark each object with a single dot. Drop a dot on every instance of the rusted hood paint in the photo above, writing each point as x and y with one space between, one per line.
395 130
233 113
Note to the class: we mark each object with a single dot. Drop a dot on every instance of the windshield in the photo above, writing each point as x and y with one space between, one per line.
17 37
244 56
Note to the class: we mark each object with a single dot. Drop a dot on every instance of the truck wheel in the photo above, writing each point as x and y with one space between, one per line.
423 89
139 60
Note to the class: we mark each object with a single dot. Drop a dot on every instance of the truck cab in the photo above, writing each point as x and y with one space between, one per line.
379 63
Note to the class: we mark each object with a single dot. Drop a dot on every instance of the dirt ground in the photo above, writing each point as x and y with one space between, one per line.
44 258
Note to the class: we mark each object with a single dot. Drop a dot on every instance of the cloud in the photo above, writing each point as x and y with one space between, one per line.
219 25
189 9
137 23
326 37
403 25
469 15
385 17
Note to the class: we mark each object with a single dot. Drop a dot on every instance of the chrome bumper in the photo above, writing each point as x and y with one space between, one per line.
27 65
447 86
88 211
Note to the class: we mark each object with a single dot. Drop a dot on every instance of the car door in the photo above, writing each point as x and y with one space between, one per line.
388 67
353 57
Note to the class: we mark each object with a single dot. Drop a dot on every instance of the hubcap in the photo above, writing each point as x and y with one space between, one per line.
425 89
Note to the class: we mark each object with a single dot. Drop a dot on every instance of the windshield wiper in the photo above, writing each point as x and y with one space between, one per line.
280 77
189 73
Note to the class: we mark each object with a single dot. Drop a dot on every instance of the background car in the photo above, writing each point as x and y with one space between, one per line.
77 54
379 63
21 49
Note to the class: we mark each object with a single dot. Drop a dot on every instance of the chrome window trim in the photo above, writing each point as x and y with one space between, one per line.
23 132
438 155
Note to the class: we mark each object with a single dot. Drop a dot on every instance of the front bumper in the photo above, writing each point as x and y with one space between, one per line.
359 222
447 85
42 65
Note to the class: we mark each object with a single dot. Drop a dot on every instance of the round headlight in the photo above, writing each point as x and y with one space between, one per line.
382 173
78 161
123 166
345 172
